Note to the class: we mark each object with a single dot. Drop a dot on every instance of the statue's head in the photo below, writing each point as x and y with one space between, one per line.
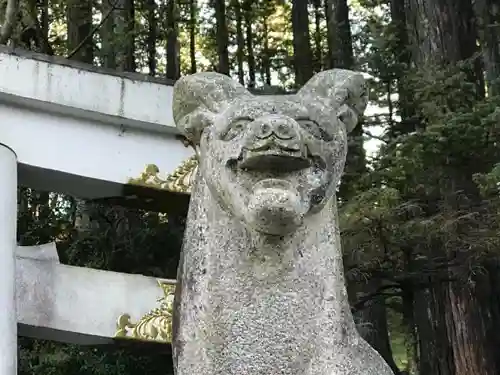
270 160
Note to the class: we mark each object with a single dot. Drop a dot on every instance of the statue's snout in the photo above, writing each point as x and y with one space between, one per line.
275 142
281 127
274 131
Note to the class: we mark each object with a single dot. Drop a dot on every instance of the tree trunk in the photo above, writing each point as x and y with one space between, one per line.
108 36
151 40
409 121
301 46
372 318
471 354
79 27
192 35
444 32
222 36
411 338
129 64
454 325
488 296
173 62
240 41
266 60
339 34
41 27
488 14
9 21
453 339
451 335
435 353
79 22
125 35
249 17
44 19
341 56
318 47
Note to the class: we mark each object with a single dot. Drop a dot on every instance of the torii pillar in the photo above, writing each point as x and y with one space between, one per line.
8 223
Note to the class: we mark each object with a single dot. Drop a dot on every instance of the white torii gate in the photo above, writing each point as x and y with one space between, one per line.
72 128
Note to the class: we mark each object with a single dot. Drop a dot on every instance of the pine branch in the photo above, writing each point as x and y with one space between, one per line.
371 135
380 292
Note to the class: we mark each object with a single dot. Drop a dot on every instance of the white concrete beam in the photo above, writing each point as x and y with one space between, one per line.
68 146
74 304
80 131
57 84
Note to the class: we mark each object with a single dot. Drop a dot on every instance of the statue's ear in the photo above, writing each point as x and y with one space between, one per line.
197 97
344 90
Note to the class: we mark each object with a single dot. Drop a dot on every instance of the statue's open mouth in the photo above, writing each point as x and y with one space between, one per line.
272 160
275 157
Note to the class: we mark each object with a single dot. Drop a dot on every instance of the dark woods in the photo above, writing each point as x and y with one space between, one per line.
418 203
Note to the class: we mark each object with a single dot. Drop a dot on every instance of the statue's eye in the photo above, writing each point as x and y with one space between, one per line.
236 128
314 129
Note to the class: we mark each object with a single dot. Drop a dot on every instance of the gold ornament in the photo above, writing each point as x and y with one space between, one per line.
179 181
156 325
182 178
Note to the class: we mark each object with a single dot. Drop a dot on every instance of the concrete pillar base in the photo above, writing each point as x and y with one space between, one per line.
8 224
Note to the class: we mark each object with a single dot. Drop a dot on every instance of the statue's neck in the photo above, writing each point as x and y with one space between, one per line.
314 239
266 297
308 260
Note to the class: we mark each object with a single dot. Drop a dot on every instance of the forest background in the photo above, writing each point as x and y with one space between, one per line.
418 203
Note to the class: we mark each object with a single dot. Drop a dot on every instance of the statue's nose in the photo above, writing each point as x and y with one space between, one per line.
282 128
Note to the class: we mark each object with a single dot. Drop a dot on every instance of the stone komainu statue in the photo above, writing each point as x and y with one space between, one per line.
260 284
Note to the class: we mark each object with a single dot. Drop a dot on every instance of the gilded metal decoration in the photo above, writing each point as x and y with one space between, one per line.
149 177
156 325
179 181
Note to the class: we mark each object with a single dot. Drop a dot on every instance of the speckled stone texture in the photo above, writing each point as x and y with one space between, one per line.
261 284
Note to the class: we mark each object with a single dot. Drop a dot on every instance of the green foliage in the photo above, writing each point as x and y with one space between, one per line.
45 357
425 184
489 183
439 91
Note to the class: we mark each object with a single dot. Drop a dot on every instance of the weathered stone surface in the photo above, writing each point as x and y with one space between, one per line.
261 285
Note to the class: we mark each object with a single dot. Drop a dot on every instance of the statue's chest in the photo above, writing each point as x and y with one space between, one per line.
266 330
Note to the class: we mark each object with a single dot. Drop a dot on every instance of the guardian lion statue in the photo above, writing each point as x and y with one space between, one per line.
261 287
